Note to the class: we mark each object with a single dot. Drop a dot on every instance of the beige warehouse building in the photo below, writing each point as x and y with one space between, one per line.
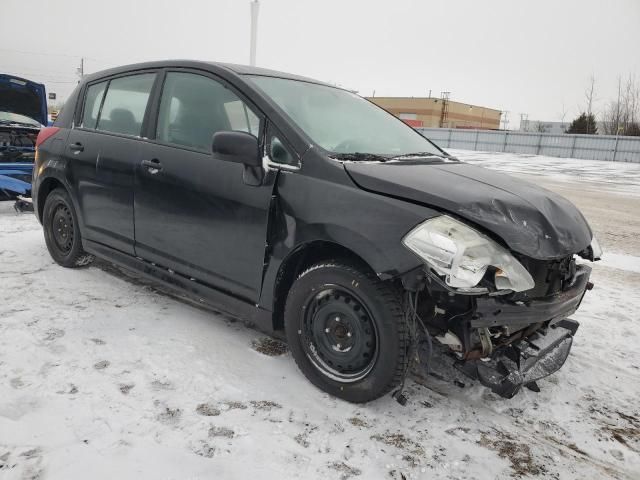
439 112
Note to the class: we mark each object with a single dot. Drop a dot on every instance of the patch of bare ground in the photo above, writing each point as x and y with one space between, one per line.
207 410
233 405
358 422
627 436
269 346
399 441
345 470
264 405
625 429
518 454
221 432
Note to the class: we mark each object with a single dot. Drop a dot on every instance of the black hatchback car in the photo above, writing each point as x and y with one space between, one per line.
319 217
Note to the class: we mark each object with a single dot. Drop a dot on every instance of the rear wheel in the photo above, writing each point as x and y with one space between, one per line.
346 331
61 232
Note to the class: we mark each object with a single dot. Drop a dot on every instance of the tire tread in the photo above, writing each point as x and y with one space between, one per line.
391 296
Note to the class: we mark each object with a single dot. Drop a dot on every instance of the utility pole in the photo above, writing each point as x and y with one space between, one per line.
444 113
505 119
255 7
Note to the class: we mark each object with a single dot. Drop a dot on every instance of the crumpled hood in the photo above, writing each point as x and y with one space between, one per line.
24 97
531 220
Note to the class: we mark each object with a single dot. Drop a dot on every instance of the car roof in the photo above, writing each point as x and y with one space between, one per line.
233 68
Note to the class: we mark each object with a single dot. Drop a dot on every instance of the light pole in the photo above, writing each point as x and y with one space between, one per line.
255 7
80 69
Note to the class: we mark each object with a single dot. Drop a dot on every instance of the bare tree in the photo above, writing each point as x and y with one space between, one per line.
621 116
563 115
611 117
632 98
589 95
542 127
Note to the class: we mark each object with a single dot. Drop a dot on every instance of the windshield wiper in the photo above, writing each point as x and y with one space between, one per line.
360 157
425 155
18 124
419 154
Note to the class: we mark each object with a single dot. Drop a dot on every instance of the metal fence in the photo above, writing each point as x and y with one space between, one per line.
589 147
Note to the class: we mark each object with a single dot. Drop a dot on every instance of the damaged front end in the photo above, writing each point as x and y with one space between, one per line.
23 113
525 361
502 316
523 338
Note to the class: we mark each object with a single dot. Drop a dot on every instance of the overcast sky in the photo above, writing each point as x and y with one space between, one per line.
521 56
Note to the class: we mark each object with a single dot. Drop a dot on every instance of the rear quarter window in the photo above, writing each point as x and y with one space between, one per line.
92 102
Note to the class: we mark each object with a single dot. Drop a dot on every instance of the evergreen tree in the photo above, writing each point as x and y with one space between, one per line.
585 124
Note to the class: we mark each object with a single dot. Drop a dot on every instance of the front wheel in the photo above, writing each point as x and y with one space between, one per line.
347 332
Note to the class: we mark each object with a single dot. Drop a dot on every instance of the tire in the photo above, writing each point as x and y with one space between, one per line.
347 331
61 231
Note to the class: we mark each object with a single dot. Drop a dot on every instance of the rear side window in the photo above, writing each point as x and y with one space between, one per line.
194 107
125 103
92 102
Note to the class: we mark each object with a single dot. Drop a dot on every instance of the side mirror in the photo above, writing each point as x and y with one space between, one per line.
238 147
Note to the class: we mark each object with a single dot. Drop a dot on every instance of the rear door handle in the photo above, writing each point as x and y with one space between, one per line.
76 147
153 166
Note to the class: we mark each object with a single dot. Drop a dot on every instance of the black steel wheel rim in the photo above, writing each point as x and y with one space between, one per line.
339 335
62 228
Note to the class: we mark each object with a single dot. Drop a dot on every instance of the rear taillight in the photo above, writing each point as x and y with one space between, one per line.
45 133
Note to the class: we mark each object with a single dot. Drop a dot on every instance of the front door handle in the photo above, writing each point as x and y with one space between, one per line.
76 147
153 166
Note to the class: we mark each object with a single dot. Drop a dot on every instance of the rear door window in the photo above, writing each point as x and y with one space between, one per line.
125 104
92 102
193 107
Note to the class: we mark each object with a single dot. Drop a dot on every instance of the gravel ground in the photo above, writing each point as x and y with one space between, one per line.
102 376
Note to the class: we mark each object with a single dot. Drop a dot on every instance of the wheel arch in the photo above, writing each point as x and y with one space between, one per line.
300 258
54 176
48 185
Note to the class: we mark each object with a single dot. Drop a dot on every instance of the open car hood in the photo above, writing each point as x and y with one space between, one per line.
529 219
24 97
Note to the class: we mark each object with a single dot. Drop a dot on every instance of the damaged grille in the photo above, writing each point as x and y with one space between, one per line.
550 277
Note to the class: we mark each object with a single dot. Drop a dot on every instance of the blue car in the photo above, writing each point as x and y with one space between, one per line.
23 112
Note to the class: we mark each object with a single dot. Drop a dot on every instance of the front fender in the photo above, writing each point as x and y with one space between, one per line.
308 209
384 259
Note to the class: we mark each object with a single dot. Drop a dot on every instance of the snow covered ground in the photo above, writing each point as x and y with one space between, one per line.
102 376
624 177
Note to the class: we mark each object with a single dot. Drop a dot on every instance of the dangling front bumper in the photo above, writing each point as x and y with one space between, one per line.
531 359
537 355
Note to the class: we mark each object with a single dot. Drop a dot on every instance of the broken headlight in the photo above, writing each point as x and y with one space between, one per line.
462 255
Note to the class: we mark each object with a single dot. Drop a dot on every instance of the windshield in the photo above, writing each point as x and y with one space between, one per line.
342 122
9 117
